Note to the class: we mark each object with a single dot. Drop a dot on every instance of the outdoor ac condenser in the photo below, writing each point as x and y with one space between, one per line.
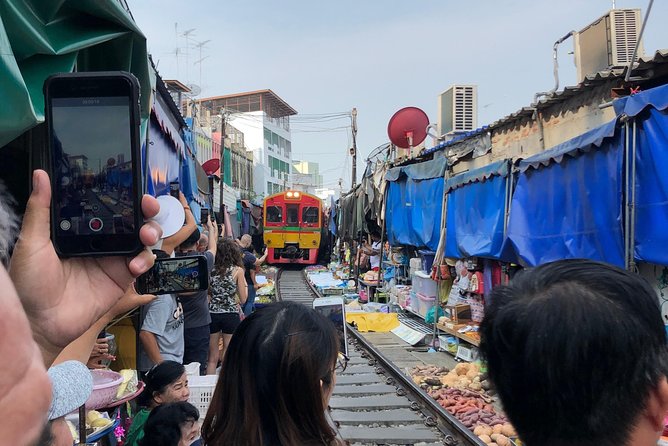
458 109
608 42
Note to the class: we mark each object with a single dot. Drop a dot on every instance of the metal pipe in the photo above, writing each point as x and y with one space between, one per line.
626 195
635 50
632 235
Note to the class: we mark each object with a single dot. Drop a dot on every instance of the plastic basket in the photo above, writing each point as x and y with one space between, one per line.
105 386
424 304
422 284
201 391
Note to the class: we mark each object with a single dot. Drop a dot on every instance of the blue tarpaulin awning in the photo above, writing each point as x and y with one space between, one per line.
572 148
650 110
568 201
415 203
476 212
420 171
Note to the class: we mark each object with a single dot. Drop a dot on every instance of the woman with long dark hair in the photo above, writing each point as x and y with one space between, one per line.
276 381
228 293
165 383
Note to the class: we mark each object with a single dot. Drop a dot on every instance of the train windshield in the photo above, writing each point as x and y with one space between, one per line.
293 214
274 214
310 215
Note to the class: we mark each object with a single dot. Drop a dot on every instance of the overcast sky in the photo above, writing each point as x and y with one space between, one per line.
378 56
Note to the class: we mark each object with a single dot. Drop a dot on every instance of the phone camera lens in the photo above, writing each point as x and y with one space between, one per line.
65 225
95 224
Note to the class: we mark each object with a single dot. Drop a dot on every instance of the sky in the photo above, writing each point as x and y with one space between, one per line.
324 58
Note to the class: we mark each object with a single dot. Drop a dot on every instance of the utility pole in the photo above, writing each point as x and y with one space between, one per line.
353 150
223 119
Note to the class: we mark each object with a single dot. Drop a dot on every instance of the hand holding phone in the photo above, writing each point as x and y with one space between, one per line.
93 135
334 309
175 275
174 189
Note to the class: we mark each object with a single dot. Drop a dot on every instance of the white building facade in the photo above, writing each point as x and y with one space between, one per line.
264 120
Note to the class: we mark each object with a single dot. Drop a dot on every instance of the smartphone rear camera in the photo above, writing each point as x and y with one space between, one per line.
95 224
65 225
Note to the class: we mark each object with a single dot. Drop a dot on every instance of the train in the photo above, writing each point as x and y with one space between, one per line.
292 227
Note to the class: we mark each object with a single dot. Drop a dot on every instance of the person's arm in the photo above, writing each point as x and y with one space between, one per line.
150 344
169 244
261 260
252 275
242 286
80 349
63 298
213 238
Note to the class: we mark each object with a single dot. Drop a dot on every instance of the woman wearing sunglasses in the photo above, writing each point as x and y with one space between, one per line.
277 377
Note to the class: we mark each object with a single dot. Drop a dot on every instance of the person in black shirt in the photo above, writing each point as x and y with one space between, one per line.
251 262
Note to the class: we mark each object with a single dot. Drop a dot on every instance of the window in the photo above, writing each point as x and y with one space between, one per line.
267 135
274 214
310 215
293 214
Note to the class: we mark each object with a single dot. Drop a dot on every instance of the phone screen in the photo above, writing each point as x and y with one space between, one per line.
176 275
92 151
335 314
204 217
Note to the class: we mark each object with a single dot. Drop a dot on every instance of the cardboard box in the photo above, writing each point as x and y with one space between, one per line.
458 313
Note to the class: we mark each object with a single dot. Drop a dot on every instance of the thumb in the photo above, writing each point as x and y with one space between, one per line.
36 220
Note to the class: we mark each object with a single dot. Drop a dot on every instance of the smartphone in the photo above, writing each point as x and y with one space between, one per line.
204 217
175 275
174 189
94 162
334 309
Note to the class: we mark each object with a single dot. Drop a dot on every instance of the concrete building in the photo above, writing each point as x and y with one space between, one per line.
306 176
264 120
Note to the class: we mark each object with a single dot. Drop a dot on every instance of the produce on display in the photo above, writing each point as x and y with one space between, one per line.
466 394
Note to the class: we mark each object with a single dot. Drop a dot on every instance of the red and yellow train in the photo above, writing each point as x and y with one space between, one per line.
292 227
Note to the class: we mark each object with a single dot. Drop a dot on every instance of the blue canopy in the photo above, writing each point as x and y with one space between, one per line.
650 109
568 201
413 214
420 171
571 148
476 212
163 160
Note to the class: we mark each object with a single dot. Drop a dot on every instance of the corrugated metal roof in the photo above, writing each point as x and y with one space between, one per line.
590 82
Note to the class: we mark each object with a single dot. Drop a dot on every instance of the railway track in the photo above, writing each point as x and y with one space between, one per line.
374 402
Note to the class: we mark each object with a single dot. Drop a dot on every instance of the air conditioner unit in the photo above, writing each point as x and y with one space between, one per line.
458 109
608 42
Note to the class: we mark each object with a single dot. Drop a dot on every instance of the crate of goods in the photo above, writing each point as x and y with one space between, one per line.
332 291
424 304
201 391
427 258
467 353
458 313
422 284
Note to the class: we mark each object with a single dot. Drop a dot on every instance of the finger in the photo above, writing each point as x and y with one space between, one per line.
37 216
149 206
150 233
142 263
143 299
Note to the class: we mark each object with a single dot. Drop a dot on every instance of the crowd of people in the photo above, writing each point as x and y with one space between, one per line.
577 349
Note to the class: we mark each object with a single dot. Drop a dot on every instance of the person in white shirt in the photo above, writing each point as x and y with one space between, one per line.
373 251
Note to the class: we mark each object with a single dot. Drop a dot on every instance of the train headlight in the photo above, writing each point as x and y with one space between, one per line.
296 194
289 194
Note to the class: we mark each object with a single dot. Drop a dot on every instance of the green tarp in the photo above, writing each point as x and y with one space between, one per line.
42 37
